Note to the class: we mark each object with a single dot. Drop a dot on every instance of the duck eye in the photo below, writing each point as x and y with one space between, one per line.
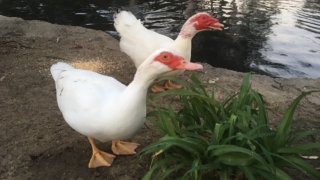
165 57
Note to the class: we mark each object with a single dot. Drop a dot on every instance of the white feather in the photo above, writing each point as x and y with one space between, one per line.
59 67
137 41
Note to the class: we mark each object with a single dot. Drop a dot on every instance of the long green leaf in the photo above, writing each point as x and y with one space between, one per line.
249 173
300 149
219 150
284 129
261 107
193 146
304 134
245 88
179 92
236 159
157 166
169 171
276 174
304 166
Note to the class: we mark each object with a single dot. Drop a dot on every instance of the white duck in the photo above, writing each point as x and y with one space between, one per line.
139 42
102 108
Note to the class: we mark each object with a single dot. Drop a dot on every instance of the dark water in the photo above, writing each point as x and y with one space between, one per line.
275 37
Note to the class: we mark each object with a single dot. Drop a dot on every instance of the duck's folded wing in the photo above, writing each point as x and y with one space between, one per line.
80 91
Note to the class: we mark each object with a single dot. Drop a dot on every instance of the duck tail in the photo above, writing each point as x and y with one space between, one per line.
58 68
125 21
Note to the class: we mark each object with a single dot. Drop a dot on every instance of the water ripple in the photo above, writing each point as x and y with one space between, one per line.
282 37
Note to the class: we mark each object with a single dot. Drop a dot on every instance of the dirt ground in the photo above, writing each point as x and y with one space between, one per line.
36 143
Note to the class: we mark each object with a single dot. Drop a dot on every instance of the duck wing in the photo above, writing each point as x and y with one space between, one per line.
83 93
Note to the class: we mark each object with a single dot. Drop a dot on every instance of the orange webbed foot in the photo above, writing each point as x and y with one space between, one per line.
124 148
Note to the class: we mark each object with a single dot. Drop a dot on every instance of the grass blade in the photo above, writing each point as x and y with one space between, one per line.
304 166
300 149
284 129
219 150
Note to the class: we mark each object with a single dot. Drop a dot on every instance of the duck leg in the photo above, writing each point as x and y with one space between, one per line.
170 85
157 89
124 148
167 85
99 158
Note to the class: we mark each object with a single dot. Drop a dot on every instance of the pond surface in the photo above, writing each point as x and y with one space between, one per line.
275 37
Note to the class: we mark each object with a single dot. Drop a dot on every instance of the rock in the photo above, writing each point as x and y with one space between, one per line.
277 92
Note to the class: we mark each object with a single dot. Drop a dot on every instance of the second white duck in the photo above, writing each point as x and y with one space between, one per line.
139 42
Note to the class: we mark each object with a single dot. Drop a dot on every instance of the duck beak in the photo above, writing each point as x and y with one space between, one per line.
216 26
189 66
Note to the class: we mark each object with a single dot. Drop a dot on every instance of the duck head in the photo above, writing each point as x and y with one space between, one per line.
164 60
175 62
200 22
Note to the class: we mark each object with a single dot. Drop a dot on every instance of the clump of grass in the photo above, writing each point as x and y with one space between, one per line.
230 139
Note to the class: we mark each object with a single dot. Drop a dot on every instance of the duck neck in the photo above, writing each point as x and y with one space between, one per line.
183 43
188 30
133 101
141 82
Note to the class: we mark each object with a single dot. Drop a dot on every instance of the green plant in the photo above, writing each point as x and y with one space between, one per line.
232 139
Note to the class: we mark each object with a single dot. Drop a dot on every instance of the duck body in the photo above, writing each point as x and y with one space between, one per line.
99 106
138 42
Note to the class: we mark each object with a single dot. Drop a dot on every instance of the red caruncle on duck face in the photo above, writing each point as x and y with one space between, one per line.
168 59
176 62
203 21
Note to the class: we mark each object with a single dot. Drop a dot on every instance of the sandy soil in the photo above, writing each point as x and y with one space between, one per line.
36 143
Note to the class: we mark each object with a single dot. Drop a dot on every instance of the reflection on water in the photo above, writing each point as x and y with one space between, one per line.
294 40
275 37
